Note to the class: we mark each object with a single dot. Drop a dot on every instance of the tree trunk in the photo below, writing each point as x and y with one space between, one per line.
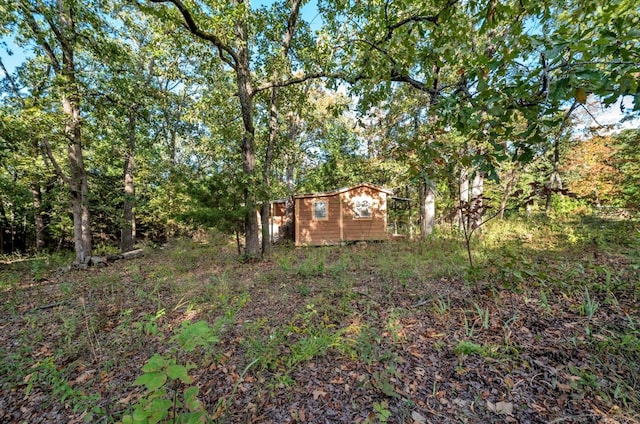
427 199
128 233
477 201
511 181
266 171
38 220
292 134
463 198
245 95
288 227
78 181
555 182
78 187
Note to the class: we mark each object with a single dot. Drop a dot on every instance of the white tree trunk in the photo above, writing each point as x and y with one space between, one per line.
463 198
477 206
427 208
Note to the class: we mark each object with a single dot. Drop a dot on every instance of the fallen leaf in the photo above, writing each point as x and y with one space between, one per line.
85 376
503 408
318 393
418 418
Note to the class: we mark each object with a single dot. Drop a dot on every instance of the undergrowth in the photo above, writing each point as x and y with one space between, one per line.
191 334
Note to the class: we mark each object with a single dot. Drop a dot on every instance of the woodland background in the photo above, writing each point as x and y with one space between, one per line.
145 120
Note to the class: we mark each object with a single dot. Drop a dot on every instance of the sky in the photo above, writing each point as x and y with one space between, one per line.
11 61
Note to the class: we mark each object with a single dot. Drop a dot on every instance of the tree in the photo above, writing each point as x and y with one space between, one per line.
229 31
590 169
52 28
123 94
627 161
287 38
487 67
23 130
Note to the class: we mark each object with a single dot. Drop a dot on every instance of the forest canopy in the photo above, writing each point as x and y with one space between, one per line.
132 121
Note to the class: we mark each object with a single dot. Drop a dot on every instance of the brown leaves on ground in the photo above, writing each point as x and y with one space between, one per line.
341 335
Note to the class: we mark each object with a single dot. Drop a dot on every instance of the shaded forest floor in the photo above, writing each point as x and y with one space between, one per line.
545 329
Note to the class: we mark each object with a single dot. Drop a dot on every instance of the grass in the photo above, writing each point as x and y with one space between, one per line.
378 332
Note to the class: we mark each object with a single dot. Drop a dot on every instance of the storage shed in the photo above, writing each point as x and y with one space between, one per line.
347 214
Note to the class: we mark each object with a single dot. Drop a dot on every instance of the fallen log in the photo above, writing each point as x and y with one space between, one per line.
126 255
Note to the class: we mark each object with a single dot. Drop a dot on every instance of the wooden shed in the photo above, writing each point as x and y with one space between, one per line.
347 214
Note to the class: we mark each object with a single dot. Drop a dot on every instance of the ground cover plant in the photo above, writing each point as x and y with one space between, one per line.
545 328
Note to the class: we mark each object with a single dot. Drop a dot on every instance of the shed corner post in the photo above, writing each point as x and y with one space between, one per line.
296 222
341 219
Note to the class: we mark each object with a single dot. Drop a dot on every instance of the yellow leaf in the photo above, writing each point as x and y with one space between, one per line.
581 95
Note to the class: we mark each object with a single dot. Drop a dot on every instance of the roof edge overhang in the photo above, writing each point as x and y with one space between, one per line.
343 190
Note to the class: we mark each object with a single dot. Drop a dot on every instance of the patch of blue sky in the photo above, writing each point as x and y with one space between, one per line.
11 54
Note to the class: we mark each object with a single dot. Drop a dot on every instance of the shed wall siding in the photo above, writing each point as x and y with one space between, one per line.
315 232
341 223
373 228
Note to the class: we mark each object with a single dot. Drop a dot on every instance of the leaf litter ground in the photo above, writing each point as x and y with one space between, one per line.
383 332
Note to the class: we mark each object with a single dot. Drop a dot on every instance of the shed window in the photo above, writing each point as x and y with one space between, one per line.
362 207
320 210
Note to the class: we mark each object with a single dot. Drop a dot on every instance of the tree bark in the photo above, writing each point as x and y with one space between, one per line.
511 181
555 182
463 197
246 95
477 200
128 232
288 226
78 181
38 220
273 131
266 172
427 199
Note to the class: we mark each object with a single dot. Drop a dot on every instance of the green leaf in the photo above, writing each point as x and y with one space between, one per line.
190 399
155 363
192 417
177 371
388 389
140 416
196 334
159 410
151 380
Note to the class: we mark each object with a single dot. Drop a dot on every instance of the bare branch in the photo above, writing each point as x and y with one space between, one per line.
591 115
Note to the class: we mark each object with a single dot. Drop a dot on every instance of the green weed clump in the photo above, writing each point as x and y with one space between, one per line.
169 390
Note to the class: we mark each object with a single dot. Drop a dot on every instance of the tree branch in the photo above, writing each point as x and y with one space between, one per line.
33 25
12 83
46 148
434 19
191 25
64 42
